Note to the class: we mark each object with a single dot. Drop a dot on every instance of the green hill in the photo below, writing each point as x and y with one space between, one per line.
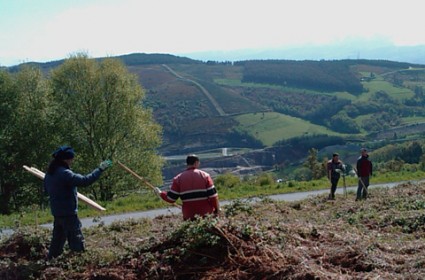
206 105
383 95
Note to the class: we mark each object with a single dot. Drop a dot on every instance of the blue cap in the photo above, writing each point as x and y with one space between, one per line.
63 153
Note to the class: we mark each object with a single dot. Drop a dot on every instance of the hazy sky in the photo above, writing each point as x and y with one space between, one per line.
45 30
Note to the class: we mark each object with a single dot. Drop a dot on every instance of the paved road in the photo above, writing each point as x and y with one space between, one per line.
88 222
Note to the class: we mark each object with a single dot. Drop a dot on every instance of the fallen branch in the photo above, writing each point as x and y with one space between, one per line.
34 171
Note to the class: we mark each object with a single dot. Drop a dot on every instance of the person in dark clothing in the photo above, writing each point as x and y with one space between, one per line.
61 184
364 171
333 166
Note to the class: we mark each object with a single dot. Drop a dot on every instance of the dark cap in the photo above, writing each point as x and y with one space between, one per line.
64 153
363 150
335 155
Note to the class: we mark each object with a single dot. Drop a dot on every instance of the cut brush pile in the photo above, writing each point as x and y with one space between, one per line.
379 238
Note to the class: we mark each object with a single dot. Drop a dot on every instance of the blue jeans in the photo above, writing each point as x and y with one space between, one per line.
362 190
66 228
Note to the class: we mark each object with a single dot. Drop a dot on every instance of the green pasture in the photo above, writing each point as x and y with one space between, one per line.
272 127
239 83
379 84
413 120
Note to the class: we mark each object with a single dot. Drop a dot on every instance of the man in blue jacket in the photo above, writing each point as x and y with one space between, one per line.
61 185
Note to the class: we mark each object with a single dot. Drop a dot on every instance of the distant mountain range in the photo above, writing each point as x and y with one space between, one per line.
348 49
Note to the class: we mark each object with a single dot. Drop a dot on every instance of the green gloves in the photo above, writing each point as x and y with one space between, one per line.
105 165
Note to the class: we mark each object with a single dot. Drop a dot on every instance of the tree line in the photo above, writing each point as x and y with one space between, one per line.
94 106
322 76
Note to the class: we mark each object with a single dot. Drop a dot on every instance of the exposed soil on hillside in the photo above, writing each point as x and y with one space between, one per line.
382 237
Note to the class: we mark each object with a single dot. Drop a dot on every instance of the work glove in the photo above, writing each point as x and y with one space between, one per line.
158 192
105 165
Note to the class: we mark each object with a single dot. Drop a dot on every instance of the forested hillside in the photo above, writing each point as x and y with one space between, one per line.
258 104
353 98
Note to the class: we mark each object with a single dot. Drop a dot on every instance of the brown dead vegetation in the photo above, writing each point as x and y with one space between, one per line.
379 238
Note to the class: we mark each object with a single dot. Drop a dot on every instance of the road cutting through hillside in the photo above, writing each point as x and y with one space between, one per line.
217 106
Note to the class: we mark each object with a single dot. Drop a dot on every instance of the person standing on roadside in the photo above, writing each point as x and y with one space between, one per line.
61 184
196 190
333 166
364 171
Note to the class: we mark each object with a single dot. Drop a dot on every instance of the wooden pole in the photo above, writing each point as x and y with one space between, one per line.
34 171
137 176
364 189
142 179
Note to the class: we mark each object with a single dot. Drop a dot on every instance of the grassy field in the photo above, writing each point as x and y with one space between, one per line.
272 127
238 83
413 120
379 84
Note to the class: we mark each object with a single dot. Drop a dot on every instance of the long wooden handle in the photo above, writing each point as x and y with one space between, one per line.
360 179
136 175
142 179
30 170
40 174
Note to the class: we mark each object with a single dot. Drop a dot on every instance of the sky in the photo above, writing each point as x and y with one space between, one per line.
47 30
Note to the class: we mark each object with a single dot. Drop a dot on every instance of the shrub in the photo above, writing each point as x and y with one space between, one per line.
227 180
265 179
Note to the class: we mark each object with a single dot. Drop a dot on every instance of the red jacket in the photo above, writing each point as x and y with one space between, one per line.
196 190
364 166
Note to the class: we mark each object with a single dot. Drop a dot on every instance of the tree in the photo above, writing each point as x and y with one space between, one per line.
8 101
344 124
314 165
25 133
411 153
99 112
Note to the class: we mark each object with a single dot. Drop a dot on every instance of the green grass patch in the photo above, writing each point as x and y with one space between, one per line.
272 127
379 84
413 120
239 83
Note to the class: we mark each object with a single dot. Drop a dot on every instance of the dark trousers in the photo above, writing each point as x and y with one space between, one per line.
66 228
362 190
334 184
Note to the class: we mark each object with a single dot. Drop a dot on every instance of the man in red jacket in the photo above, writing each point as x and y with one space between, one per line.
364 170
196 190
